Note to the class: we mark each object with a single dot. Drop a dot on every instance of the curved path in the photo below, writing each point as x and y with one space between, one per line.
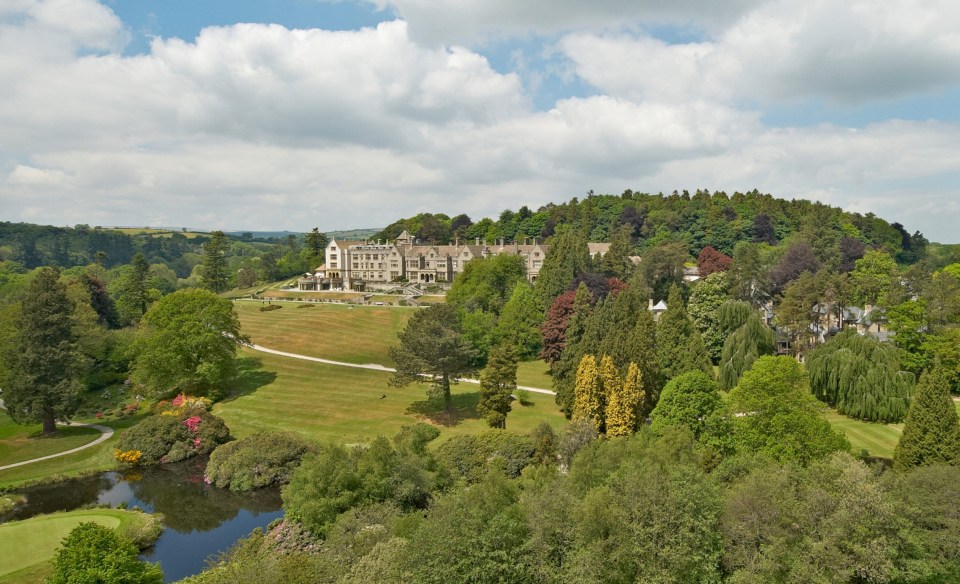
105 434
370 366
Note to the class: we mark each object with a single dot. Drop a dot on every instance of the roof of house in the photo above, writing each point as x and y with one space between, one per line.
659 306
595 248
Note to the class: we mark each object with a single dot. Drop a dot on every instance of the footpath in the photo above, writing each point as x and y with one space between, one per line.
105 434
373 367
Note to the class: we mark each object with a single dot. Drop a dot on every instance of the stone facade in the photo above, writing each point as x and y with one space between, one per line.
352 265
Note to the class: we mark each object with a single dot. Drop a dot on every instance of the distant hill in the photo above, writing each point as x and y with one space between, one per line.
354 233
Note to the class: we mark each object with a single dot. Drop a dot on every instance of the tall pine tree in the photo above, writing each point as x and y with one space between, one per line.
43 378
214 275
497 383
679 345
931 432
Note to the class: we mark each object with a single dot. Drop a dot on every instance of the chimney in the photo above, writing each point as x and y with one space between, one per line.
649 303
478 241
456 242
867 308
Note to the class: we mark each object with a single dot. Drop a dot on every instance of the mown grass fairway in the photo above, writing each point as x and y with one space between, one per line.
19 443
29 545
346 405
876 438
360 334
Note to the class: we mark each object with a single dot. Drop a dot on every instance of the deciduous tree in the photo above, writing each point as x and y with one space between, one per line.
776 415
187 342
94 553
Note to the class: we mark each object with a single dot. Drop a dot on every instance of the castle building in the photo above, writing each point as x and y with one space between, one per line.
352 265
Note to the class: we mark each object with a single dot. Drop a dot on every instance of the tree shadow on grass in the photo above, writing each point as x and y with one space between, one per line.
464 407
250 377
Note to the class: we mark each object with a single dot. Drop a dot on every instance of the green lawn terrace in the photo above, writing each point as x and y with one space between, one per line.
346 405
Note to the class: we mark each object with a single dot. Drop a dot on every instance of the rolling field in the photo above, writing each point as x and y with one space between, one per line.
29 545
349 406
359 334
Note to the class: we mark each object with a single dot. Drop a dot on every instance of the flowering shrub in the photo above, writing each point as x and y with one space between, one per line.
175 436
131 457
98 415
192 423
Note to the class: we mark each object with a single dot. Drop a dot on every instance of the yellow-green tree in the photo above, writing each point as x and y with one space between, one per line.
623 405
588 402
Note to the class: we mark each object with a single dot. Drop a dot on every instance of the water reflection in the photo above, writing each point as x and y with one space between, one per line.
200 520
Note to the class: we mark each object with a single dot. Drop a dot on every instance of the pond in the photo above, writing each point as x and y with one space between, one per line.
200 520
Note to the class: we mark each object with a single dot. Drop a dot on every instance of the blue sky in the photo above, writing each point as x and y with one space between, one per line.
299 113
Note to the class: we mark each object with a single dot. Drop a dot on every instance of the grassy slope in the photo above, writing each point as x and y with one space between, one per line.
344 405
29 545
25 442
100 457
356 335
359 334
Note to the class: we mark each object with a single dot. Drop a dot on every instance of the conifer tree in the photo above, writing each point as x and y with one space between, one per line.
616 263
564 370
642 351
610 384
214 275
679 345
520 321
497 383
133 299
588 393
43 369
624 403
568 257
931 430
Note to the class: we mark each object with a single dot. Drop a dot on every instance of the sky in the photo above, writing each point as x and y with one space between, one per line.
338 114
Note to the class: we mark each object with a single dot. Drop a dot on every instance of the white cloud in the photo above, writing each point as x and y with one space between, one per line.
257 126
849 52
463 21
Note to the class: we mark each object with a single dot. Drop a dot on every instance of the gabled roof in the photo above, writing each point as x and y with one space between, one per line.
659 306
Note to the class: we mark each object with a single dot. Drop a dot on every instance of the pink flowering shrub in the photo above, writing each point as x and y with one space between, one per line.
172 437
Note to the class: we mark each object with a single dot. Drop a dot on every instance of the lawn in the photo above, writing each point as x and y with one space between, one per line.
29 545
345 405
355 334
876 438
534 374
99 457
25 442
